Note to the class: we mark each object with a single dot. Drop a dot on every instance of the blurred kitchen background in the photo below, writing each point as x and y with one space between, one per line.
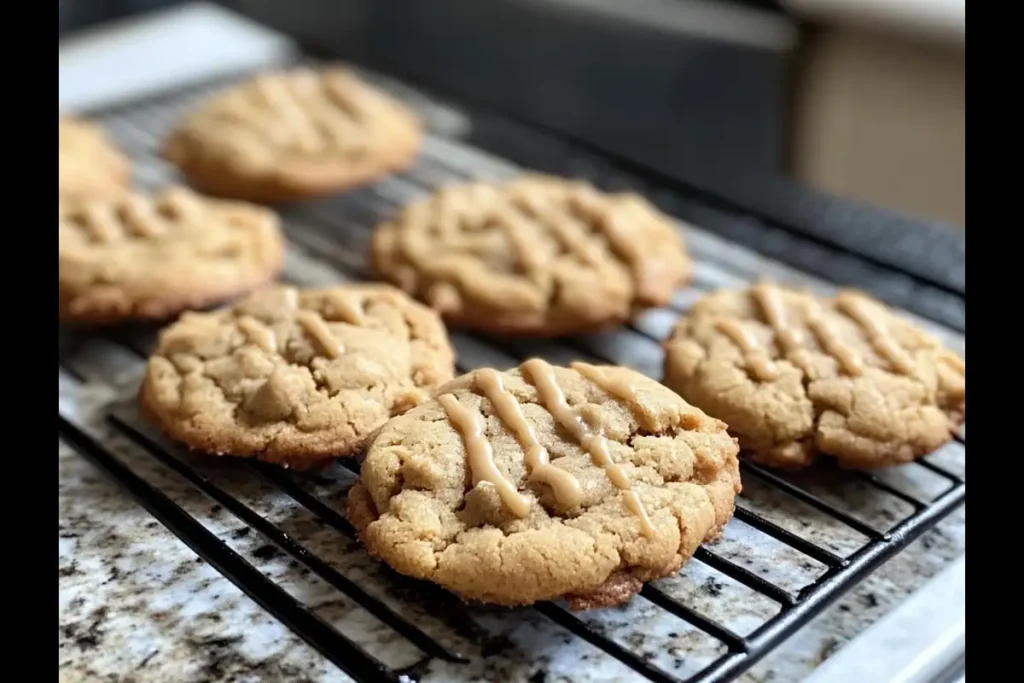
858 99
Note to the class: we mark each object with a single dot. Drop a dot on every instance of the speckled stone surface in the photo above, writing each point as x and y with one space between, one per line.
137 605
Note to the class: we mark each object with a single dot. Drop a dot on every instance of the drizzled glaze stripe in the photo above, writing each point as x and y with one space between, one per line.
290 297
862 312
542 376
956 361
858 308
615 387
848 359
564 227
770 300
627 392
470 425
276 94
565 487
754 355
258 333
317 111
319 333
520 233
349 310
140 218
135 216
100 223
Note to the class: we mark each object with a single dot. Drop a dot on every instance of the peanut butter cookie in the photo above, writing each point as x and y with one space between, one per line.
546 482
293 134
88 164
795 375
539 256
143 256
295 377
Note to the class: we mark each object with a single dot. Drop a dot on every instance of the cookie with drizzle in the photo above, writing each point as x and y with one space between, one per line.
546 482
796 376
296 377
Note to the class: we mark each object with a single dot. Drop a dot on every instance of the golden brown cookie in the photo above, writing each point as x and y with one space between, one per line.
795 375
144 256
88 164
295 377
546 482
288 135
537 256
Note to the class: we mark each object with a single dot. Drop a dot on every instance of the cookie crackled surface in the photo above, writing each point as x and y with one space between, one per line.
546 482
150 256
295 377
291 134
796 375
539 256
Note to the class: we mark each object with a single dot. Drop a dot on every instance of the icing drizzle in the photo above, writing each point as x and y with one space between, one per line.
481 456
318 332
754 354
258 333
858 308
564 485
542 377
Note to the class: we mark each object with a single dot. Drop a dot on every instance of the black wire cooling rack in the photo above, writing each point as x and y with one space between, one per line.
328 240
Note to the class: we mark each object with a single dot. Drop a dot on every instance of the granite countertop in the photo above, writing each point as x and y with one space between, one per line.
137 605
